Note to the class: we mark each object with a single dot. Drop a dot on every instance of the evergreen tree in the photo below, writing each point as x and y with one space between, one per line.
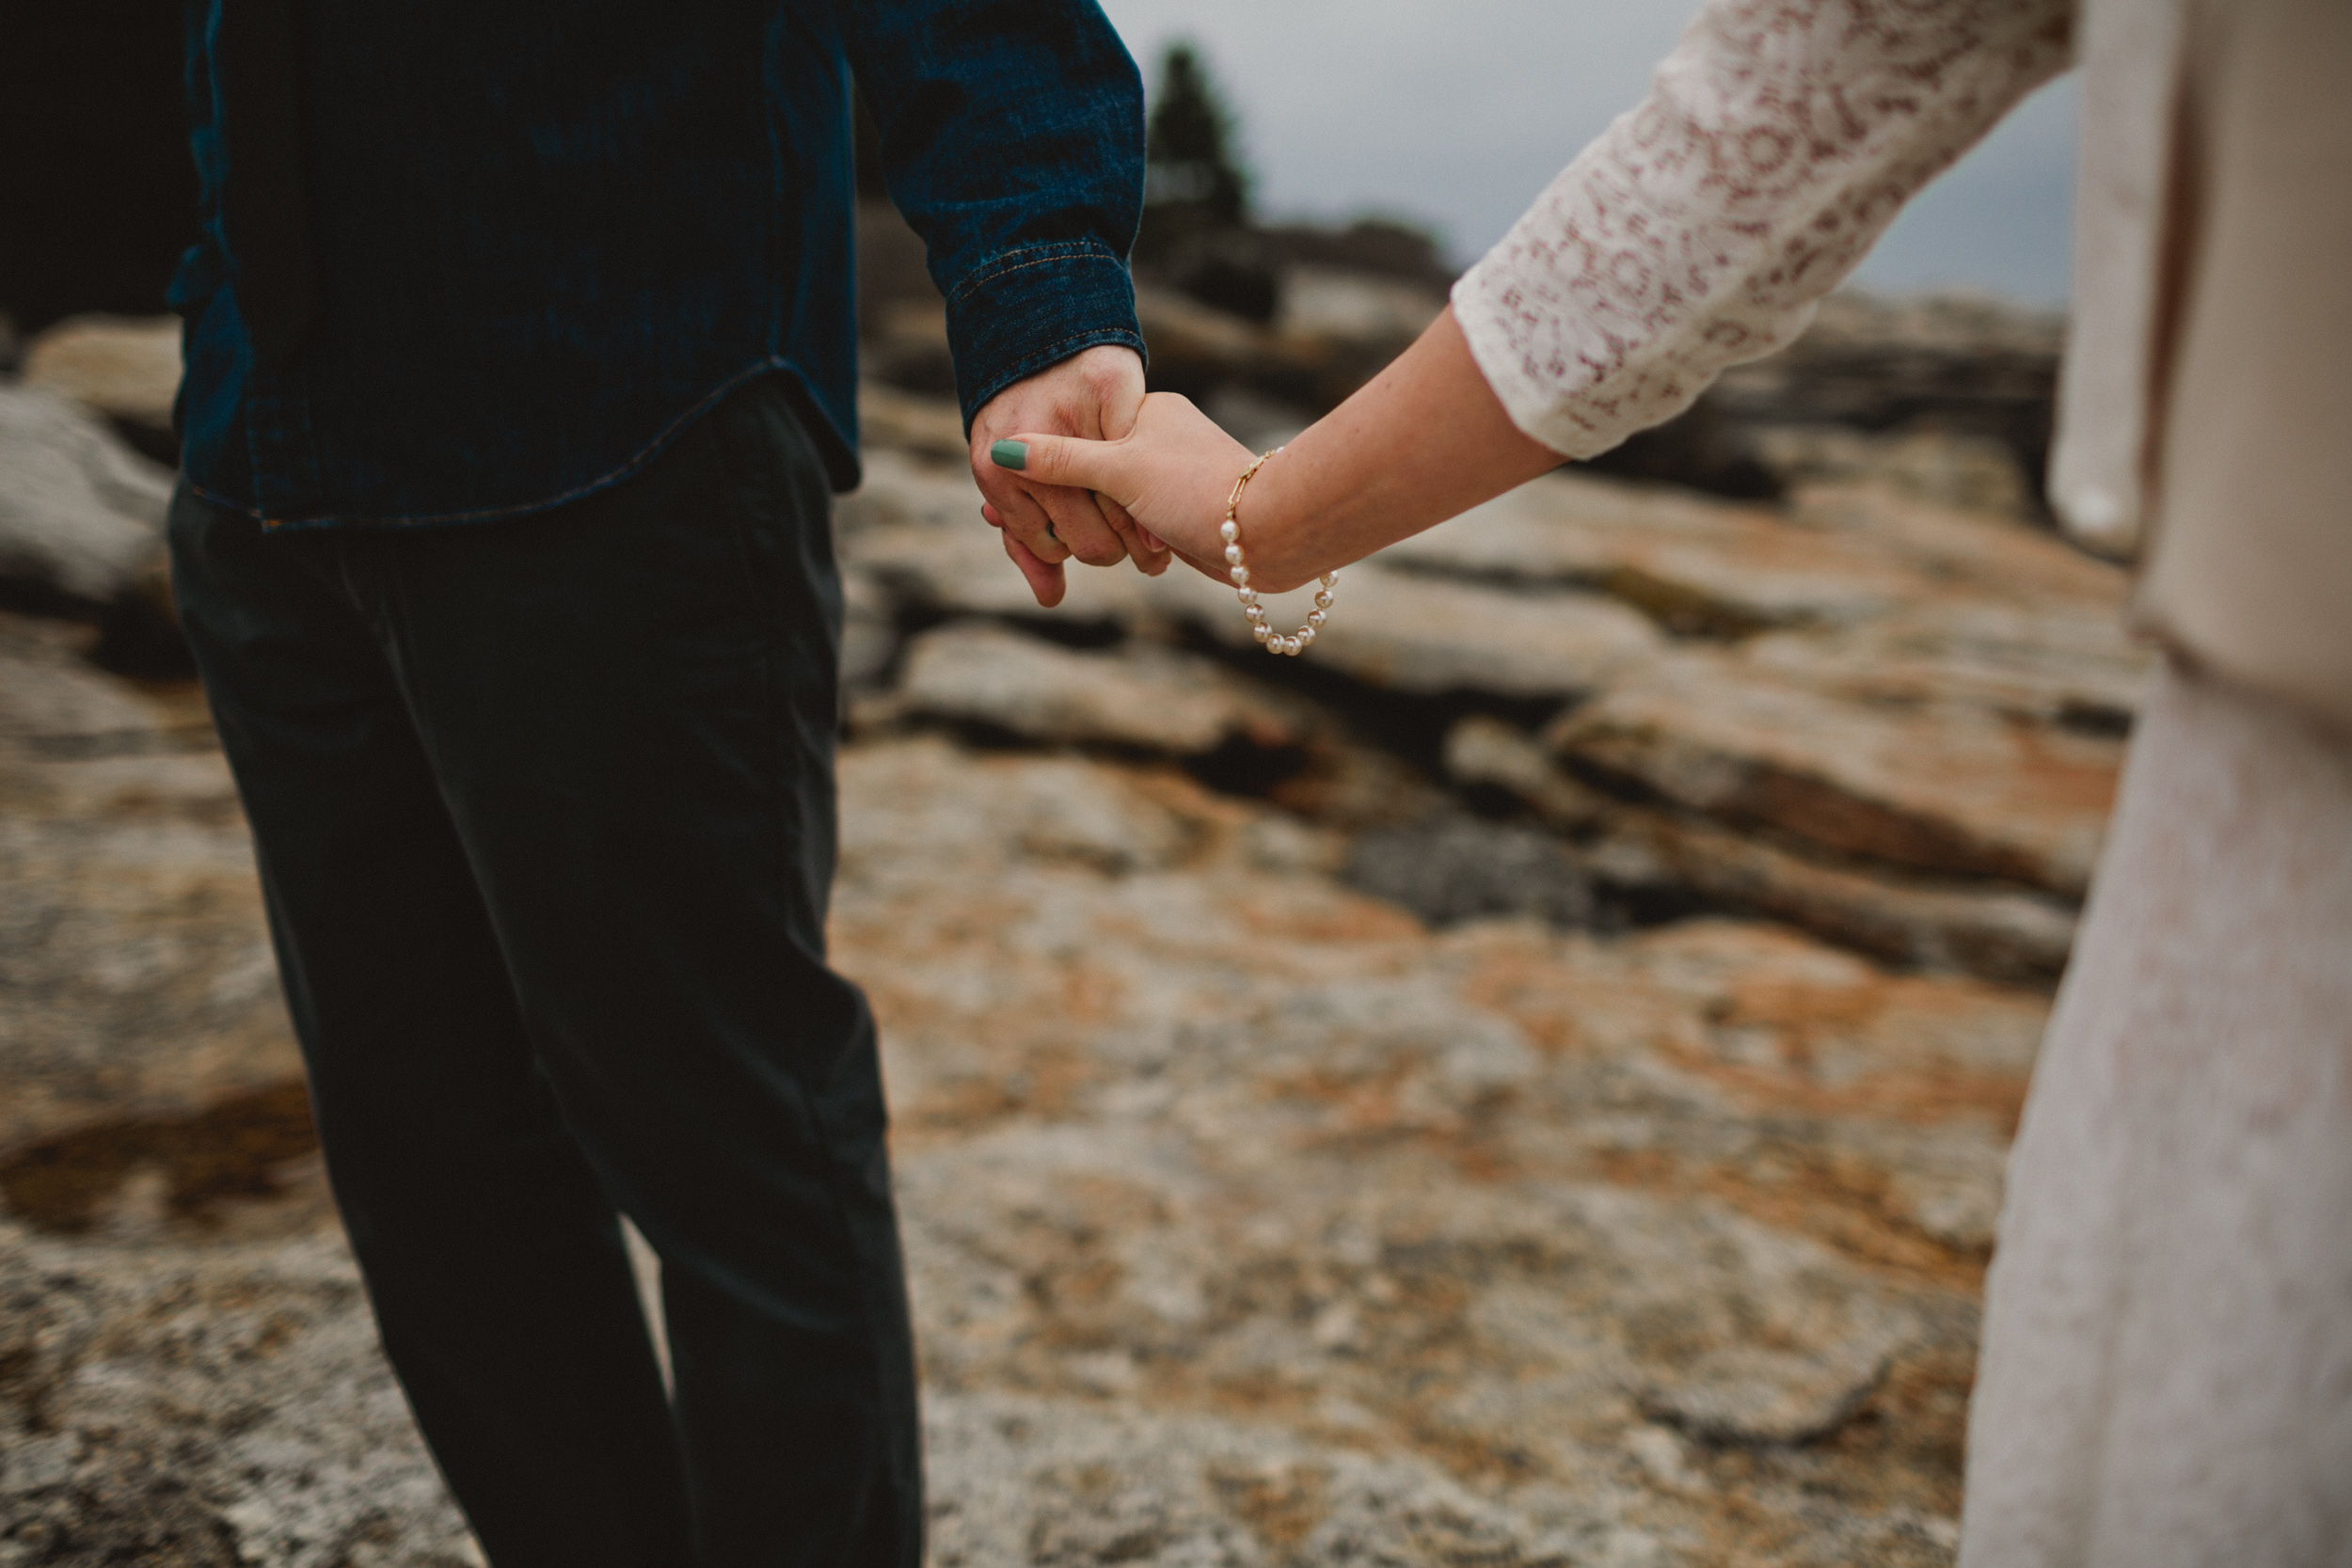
1189 152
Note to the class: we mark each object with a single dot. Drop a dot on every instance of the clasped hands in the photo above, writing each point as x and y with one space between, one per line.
1106 474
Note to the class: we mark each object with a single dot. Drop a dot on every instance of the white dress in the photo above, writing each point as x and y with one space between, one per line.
2167 1370
2166 1379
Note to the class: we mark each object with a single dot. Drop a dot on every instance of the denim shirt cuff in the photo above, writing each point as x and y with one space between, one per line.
1028 308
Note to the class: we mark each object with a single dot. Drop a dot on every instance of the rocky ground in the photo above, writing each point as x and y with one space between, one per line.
1526 1083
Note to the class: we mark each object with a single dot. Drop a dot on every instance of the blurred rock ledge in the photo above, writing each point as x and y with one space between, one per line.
1245 1217
1893 721
1947 398
125 369
86 451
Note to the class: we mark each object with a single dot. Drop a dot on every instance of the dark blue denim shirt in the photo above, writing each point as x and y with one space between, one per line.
543 235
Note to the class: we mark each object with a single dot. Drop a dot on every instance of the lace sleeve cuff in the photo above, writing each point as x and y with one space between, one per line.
1777 142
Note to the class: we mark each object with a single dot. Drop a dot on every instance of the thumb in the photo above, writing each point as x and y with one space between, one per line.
1069 459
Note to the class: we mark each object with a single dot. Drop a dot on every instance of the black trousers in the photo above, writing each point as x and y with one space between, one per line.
544 811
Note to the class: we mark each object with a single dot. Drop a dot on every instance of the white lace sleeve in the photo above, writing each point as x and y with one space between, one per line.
1778 140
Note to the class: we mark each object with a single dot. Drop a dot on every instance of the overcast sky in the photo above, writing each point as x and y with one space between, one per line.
1454 113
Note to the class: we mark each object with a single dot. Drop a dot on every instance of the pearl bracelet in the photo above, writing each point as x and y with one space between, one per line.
1236 568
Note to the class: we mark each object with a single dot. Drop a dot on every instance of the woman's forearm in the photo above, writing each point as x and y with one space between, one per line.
1425 439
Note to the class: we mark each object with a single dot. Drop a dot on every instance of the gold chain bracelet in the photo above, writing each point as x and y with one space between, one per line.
1238 569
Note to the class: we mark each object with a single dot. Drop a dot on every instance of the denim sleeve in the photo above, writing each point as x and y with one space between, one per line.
1013 140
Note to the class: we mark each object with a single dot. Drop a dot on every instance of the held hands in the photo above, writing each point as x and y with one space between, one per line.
1423 440
1093 394
1171 473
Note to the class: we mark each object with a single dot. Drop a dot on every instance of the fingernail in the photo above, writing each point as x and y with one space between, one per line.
1009 454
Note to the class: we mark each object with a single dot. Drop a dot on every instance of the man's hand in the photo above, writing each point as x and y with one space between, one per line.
1094 395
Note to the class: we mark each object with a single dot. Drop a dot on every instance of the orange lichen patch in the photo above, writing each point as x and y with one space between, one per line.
1476 1153
212 811
1478 1159
1277 912
1801 1009
1391 1108
1404 1404
1843 1201
1775 1021
1530 987
1902 1451
1072 1299
1922 1098
1646 1168
998 1040
1089 995
1266 1396
1837 1199
1903 1049
1204 813
1425 1328
1043 1083
1585 994
1470 1458
1740 1529
234 1148
1832 813
966 1106
1360 1102
2059 769
1282 1504
1911 1438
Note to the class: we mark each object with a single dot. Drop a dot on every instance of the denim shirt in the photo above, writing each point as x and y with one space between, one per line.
503 250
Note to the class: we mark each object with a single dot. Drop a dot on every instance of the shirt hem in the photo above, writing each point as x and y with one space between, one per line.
838 452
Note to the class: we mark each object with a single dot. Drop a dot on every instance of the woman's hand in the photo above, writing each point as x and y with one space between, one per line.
1172 473
1094 392
1425 439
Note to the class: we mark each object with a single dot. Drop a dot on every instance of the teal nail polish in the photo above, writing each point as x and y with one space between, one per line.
1009 454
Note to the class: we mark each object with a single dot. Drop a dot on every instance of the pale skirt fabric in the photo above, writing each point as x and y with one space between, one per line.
2166 1372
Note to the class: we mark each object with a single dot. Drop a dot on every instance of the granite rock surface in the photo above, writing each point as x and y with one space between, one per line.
1248 1220
126 367
80 515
